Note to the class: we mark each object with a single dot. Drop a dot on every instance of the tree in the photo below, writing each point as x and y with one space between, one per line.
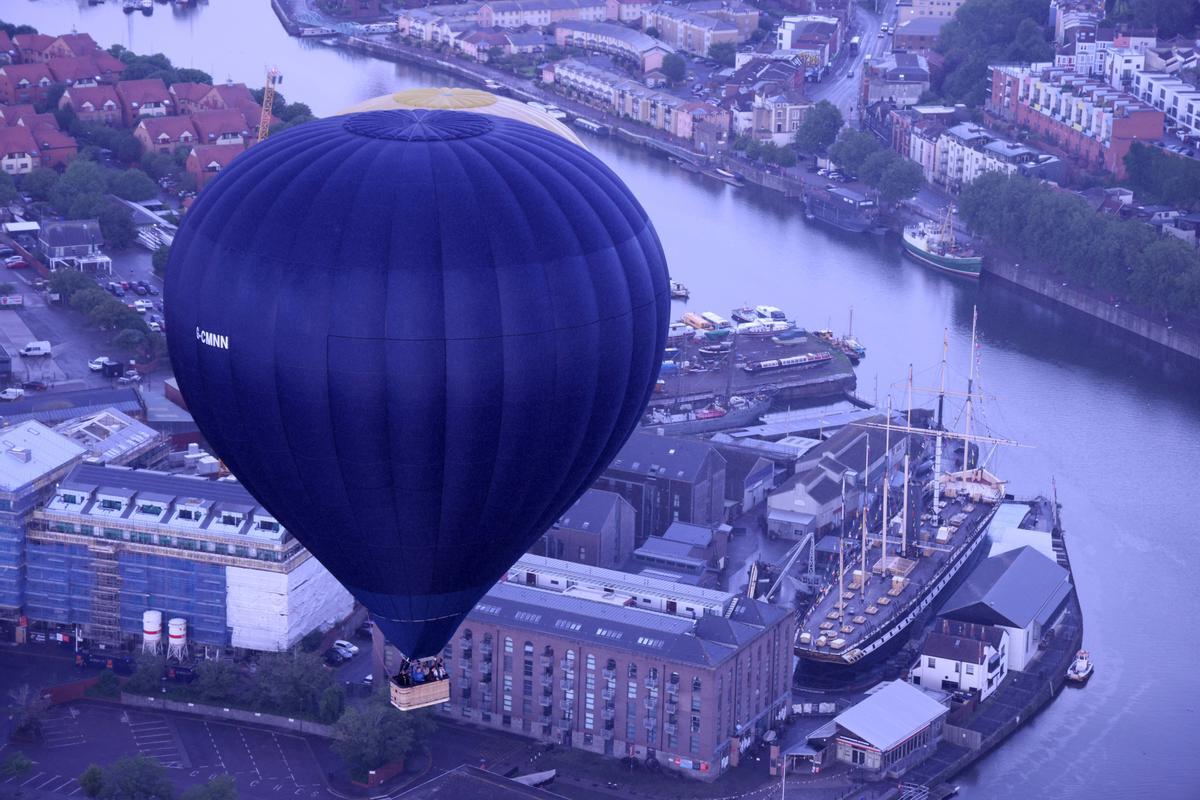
107 684
222 787
370 736
132 184
819 128
652 32
852 148
159 260
92 780
674 67
29 705
16 30
985 32
148 675
900 180
291 682
116 224
133 342
136 778
786 157
15 765
724 53
8 189
874 165
83 299
158 165
82 179
215 680
40 183
331 704
190 75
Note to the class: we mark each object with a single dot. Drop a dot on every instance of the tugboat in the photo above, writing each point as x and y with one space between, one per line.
1081 668
679 291
934 246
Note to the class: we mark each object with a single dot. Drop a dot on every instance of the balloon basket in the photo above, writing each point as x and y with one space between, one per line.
421 695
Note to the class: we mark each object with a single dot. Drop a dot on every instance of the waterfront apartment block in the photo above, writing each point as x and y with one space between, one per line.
540 13
1177 98
108 543
690 31
966 151
588 668
644 52
1088 119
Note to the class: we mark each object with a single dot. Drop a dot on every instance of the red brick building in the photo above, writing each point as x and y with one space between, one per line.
24 83
1094 124
164 134
147 97
55 147
189 96
225 127
93 104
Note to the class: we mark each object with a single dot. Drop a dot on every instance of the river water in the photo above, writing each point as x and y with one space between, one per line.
1119 432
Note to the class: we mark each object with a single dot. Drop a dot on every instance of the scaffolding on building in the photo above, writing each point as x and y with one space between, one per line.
105 624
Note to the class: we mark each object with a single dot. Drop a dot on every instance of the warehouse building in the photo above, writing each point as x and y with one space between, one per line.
97 547
580 663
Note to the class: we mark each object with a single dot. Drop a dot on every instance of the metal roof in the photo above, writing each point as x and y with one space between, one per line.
666 456
53 407
591 511
30 450
1012 589
891 715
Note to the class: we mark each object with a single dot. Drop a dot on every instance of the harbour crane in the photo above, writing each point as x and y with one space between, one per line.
274 78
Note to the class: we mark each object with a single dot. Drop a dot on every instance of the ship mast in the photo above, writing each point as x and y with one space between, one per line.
862 587
887 479
937 445
970 392
842 557
907 445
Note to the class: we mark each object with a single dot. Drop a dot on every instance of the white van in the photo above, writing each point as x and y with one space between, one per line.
36 349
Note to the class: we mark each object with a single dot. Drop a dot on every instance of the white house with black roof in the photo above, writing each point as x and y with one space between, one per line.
1021 591
962 657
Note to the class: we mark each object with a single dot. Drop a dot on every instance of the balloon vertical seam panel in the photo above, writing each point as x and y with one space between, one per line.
252 235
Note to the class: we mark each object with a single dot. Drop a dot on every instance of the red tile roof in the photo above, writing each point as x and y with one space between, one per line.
144 91
212 124
35 42
172 127
49 137
221 154
96 95
190 91
17 140
13 114
6 44
234 95
79 43
70 70
30 72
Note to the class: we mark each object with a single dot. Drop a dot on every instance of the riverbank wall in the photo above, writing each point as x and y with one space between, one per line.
1044 284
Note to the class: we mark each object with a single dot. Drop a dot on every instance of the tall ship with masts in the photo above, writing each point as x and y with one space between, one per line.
934 245
894 567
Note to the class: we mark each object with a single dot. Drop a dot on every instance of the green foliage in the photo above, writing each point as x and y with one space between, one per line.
215 680
988 31
1124 257
1170 17
28 705
92 780
132 184
85 299
15 30
8 189
370 736
159 260
852 148
158 165
107 685
874 165
135 778
133 342
291 683
900 180
40 183
724 53
148 675
331 704
674 67
84 182
652 32
189 75
156 66
15 765
222 787
819 128
1162 177
125 147
116 224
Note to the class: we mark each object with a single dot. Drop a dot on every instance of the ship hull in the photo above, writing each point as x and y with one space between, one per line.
962 267
736 418
885 643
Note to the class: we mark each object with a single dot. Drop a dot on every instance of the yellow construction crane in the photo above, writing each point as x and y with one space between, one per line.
274 78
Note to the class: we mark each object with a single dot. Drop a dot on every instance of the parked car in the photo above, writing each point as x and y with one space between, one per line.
154 326
12 393
98 363
116 289
124 285
130 376
6 251
16 262
333 657
34 386
346 647
139 290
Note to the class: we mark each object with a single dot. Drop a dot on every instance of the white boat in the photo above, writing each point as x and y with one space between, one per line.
1081 668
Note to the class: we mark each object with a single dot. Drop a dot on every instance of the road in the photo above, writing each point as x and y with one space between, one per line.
841 86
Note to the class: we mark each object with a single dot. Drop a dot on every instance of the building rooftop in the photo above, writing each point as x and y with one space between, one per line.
636 40
71 233
921 26
468 783
30 450
109 436
712 600
591 511
692 18
1013 589
665 456
889 716
686 533
55 407
961 641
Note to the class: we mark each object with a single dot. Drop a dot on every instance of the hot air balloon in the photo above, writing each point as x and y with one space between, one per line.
417 337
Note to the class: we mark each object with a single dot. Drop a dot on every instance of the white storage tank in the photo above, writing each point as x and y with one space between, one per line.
152 632
177 638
